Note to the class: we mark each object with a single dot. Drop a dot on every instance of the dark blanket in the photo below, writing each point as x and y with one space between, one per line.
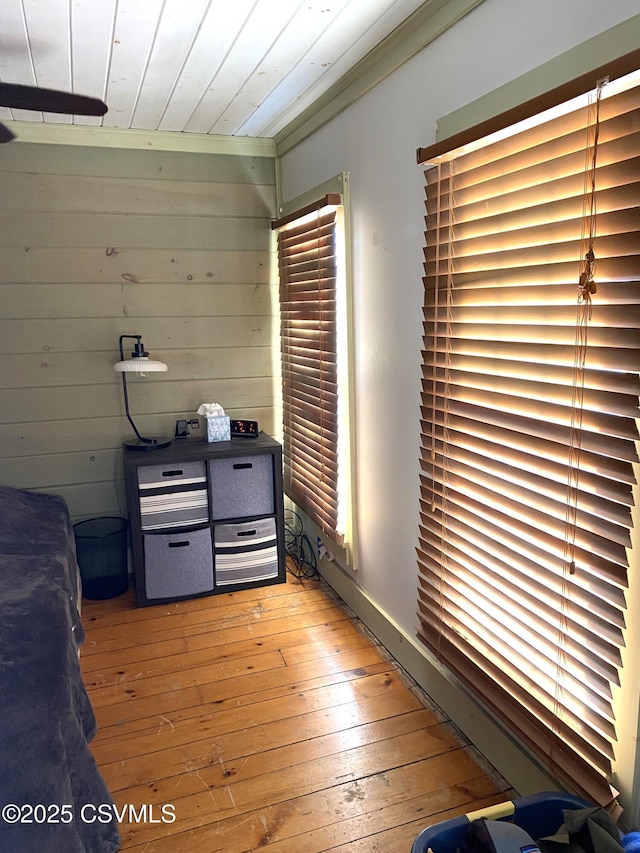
46 719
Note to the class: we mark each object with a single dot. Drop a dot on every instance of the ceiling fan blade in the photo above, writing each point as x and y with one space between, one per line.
5 134
19 97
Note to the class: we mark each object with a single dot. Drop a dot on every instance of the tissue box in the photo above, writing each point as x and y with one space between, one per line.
218 428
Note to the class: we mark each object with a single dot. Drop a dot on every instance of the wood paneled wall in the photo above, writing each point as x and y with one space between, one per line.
99 242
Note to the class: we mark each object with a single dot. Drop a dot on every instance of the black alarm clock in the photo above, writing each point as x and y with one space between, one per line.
244 429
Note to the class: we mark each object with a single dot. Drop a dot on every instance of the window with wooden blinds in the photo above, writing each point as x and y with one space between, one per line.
529 433
307 262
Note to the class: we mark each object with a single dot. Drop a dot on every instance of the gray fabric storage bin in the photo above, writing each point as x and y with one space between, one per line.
241 486
178 564
246 552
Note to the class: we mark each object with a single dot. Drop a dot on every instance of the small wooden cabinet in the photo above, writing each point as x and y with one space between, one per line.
205 517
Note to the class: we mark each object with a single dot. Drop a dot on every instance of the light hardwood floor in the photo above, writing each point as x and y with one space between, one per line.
269 719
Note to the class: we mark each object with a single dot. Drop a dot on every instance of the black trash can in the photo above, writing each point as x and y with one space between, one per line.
101 547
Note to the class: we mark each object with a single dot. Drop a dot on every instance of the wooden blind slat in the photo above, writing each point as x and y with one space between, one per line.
529 598
602 594
593 442
608 477
548 490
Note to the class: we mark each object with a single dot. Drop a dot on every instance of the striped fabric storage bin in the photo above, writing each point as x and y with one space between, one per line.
245 552
173 495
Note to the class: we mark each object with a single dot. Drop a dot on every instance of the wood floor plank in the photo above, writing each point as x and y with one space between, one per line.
232 764
147 686
279 599
183 653
238 743
267 790
269 720
213 686
341 699
137 715
288 772
167 621
370 833
213 823
195 635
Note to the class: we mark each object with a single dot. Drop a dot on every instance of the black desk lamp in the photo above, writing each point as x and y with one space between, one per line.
141 364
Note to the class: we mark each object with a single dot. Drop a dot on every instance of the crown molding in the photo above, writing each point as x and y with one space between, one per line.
147 140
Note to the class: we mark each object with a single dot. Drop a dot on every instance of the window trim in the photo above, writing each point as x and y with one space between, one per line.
585 81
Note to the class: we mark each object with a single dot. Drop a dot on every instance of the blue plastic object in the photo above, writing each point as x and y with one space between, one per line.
631 842
538 815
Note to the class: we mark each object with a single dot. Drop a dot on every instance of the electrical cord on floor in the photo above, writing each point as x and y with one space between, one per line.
301 562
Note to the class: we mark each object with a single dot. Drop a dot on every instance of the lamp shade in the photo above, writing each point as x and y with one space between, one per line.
140 364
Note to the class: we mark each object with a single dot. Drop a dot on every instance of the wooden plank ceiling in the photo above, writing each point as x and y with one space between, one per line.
244 68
